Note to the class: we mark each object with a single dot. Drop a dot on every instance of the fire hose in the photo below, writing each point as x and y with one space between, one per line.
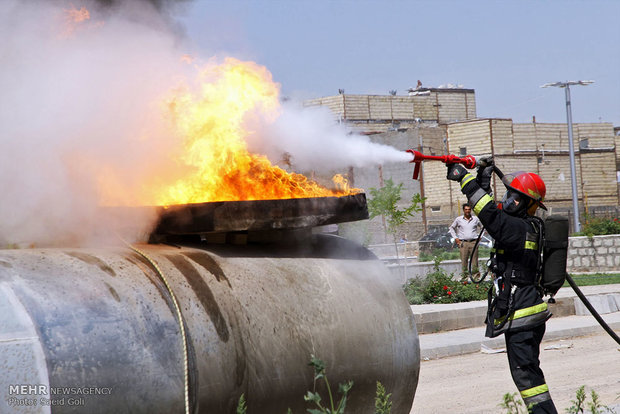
469 162
593 311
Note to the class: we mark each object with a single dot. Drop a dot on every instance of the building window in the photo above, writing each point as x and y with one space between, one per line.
583 144
435 209
463 151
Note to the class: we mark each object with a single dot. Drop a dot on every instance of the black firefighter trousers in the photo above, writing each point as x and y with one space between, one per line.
523 349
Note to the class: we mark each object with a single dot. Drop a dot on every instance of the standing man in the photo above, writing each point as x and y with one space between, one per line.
465 230
516 308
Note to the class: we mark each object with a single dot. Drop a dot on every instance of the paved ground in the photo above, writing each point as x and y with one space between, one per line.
476 383
456 377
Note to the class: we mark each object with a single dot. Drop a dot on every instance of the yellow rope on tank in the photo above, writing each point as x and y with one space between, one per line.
179 317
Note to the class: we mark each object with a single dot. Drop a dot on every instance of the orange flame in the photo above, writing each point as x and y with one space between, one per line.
212 124
75 18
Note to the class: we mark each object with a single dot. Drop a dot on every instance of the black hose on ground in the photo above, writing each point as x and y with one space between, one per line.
593 311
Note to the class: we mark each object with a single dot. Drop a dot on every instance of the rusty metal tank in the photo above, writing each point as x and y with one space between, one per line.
95 330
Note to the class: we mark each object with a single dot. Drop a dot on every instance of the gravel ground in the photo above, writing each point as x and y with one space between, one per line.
476 383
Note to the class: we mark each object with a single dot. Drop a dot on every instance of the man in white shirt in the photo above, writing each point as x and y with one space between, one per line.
465 230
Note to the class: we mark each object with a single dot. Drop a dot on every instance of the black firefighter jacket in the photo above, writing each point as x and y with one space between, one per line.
516 250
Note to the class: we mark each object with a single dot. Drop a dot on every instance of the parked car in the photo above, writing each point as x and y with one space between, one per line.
437 238
485 241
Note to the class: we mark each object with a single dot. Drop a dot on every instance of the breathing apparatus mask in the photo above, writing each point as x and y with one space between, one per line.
513 202
525 192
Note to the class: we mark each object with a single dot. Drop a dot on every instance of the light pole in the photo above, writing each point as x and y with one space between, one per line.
571 149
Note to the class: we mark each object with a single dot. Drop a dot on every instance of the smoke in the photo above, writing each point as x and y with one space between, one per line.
78 115
313 141
83 124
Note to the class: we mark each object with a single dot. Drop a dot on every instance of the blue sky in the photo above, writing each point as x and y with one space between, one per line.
503 49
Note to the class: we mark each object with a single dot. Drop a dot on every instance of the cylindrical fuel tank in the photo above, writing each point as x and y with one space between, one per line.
95 330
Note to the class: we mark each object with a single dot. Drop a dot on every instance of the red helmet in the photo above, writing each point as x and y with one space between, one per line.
528 184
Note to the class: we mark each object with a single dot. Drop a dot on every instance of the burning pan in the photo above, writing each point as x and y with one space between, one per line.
260 215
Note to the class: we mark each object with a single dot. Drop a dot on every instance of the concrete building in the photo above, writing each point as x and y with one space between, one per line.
418 120
381 113
537 147
442 121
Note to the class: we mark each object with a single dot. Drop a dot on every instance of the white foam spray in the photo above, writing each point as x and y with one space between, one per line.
316 142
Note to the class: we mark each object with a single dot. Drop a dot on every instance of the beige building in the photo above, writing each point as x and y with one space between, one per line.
418 120
443 120
534 147
381 113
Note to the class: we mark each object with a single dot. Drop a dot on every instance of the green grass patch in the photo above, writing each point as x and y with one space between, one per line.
594 279
453 254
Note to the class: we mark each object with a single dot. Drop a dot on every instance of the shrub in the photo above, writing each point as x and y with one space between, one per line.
440 253
440 287
599 226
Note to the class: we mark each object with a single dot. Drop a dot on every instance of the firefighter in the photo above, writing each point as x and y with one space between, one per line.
516 309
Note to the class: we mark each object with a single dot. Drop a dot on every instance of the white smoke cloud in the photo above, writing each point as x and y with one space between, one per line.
316 142
77 104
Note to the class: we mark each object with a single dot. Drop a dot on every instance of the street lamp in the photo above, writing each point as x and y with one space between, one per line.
571 149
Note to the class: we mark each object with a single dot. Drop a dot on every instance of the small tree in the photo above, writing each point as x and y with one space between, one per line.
383 202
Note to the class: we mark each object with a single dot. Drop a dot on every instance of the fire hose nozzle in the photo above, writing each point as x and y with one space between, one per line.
468 161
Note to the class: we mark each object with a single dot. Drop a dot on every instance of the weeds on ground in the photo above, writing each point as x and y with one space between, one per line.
440 287
594 406
315 397
383 405
512 404
241 407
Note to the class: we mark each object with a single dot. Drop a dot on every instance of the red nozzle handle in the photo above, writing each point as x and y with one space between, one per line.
417 159
468 161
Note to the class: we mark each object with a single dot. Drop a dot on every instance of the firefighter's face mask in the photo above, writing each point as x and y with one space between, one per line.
512 202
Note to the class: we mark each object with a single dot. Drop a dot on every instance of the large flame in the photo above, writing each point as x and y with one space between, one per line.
213 126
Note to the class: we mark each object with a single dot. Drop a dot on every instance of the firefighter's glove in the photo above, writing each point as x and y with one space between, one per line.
485 162
485 170
456 172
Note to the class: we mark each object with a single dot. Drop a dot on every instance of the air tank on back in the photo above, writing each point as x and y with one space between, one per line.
86 330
